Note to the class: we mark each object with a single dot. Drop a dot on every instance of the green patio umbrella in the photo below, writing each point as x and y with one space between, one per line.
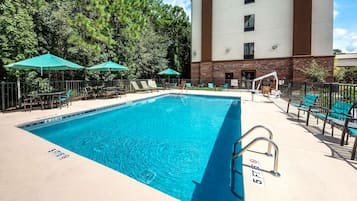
169 72
108 66
45 62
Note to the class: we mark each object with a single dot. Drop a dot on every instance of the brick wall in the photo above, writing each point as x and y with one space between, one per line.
287 68
300 63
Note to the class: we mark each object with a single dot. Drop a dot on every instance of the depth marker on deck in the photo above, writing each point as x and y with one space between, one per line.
256 173
58 154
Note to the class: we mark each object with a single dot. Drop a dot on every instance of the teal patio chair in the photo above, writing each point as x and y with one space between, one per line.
188 85
306 105
351 129
64 100
337 116
226 85
210 85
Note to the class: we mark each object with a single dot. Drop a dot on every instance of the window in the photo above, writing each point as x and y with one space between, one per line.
229 76
248 1
249 23
248 50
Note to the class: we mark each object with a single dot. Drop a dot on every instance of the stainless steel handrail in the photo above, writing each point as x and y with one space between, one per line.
247 133
276 154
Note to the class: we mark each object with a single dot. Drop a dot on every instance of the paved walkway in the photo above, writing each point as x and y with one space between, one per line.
312 166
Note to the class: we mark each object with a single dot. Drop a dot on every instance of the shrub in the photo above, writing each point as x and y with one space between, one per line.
315 72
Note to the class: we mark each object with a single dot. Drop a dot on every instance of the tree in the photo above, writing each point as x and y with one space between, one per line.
17 37
172 21
315 72
337 51
148 56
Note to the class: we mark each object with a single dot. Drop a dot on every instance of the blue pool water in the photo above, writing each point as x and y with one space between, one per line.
178 144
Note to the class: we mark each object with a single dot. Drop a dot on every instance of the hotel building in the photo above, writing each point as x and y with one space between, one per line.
244 39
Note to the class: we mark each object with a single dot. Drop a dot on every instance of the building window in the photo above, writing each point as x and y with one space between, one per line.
229 76
249 23
248 1
248 50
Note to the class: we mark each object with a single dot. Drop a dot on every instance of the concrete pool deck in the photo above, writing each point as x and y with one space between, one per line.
312 166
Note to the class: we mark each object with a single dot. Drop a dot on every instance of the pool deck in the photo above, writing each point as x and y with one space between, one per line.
312 166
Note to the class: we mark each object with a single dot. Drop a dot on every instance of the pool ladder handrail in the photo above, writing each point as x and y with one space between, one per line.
250 131
268 153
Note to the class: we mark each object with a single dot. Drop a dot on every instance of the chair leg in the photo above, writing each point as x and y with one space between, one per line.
287 109
347 139
323 128
308 118
354 149
298 114
343 136
332 129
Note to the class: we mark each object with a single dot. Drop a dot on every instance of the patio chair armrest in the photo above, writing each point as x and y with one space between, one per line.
347 115
351 119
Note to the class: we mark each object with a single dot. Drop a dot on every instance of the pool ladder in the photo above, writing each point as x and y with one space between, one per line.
271 143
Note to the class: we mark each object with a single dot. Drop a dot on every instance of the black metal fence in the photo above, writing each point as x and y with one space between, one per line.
11 96
12 93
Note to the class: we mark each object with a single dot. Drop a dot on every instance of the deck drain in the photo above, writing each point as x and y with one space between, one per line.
58 154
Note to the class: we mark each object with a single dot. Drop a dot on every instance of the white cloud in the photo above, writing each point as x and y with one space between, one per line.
335 13
338 32
345 40
185 4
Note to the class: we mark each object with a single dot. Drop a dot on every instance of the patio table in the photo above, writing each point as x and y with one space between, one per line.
48 97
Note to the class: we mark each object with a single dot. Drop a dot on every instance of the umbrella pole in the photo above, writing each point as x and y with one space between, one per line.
18 90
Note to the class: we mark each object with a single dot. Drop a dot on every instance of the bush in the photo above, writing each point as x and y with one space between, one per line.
350 75
315 72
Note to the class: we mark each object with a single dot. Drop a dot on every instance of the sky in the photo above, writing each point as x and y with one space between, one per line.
345 25
345 22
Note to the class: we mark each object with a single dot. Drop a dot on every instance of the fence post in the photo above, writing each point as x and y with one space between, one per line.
330 96
3 96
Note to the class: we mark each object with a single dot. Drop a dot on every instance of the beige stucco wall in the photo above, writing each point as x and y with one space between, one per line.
322 28
273 26
196 30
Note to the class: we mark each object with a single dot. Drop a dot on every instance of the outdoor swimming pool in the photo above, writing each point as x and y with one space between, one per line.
178 144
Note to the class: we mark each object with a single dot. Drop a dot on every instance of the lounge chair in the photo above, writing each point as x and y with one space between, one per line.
306 105
145 86
351 129
136 87
64 100
337 116
153 85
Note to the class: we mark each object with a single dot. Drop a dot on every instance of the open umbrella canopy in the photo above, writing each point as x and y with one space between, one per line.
108 66
169 71
45 62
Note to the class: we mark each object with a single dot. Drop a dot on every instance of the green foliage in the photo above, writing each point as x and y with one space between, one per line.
350 75
338 73
315 72
17 37
38 84
145 35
